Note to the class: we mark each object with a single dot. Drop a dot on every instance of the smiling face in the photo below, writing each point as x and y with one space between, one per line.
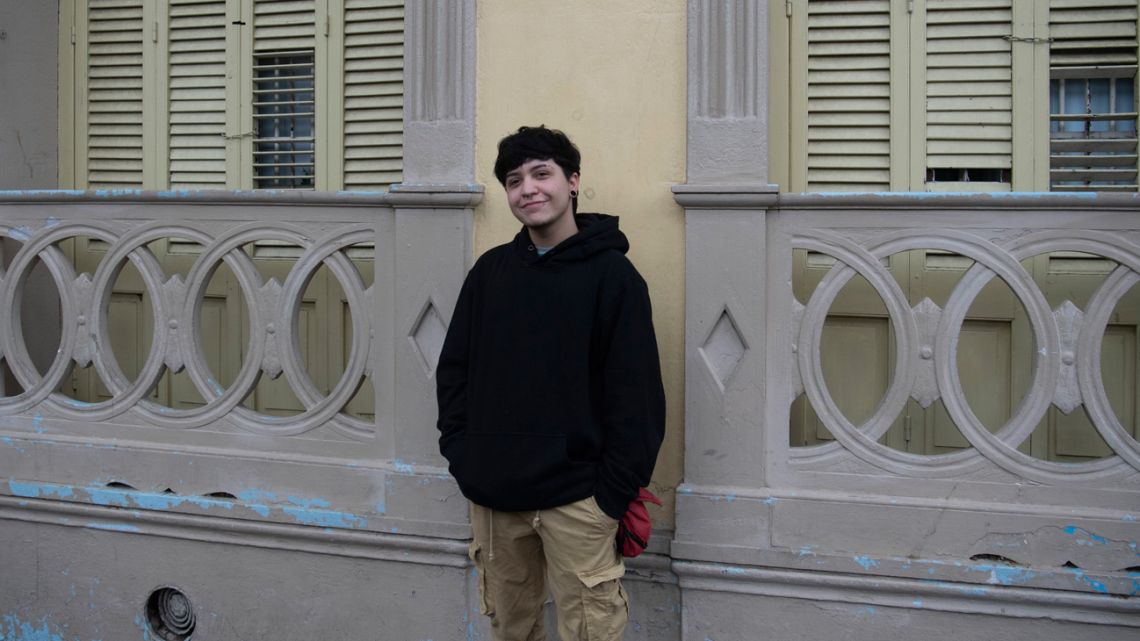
538 192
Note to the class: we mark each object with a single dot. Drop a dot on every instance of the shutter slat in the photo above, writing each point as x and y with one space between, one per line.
1092 39
969 84
197 94
114 93
373 98
848 91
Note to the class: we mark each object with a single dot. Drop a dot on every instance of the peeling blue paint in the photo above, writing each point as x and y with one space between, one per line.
806 551
257 496
21 234
1084 536
80 404
38 423
916 603
37 490
1128 518
404 468
866 562
325 518
925 195
113 527
105 497
1005 574
308 503
734 571
218 389
12 628
771 500
972 590
1079 575
306 511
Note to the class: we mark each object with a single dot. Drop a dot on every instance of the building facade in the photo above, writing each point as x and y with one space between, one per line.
901 374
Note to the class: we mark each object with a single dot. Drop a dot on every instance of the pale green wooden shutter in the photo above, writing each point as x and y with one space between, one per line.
1092 33
114 93
969 85
848 95
197 94
1092 60
284 25
373 93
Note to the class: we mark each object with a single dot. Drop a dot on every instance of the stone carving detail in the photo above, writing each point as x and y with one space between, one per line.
797 323
272 306
926 315
1067 342
729 38
723 349
174 297
85 339
1069 320
268 299
427 335
437 25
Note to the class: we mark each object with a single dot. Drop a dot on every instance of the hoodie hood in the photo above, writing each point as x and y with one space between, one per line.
596 233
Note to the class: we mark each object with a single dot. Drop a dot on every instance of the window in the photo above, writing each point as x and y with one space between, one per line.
284 120
953 95
237 94
1092 95
1092 132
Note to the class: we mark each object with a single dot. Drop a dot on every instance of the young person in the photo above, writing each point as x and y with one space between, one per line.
551 408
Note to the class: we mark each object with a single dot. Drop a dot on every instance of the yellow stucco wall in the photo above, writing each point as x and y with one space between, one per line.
611 74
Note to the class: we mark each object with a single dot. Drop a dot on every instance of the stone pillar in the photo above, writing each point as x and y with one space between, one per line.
28 149
432 248
726 198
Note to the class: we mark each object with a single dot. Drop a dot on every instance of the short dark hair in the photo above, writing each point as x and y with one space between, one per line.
536 143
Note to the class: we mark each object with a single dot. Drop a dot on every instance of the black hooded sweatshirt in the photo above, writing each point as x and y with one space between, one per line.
549 383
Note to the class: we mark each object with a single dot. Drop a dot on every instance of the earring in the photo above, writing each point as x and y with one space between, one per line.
573 193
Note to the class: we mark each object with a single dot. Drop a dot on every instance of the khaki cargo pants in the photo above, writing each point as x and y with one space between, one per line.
569 549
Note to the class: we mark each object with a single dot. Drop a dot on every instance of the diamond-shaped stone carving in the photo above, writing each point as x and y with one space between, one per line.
427 336
1069 320
723 349
927 315
267 299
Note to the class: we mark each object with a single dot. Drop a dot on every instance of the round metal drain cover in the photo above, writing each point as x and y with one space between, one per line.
170 614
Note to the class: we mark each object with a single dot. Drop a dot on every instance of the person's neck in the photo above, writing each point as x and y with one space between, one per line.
550 237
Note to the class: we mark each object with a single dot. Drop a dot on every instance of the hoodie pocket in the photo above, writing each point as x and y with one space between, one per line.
525 469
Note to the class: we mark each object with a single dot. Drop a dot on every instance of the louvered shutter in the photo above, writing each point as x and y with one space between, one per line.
1092 59
969 85
197 94
284 25
373 93
1092 33
114 93
284 94
848 95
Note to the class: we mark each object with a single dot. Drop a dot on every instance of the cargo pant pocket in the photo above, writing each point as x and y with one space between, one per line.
475 553
604 602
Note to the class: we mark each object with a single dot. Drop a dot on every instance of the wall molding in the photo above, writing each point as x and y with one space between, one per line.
1001 601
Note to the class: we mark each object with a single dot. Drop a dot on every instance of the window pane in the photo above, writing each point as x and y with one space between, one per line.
284 120
1125 102
1099 102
